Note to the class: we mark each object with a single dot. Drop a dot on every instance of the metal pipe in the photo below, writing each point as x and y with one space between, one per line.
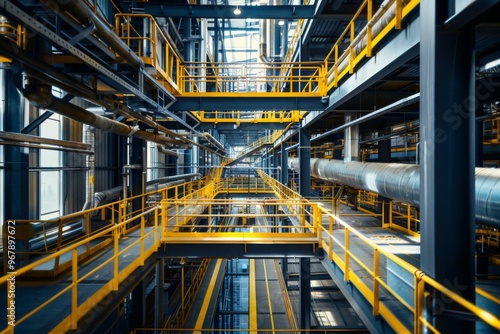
86 117
402 182
81 11
174 178
165 151
105 196
89 138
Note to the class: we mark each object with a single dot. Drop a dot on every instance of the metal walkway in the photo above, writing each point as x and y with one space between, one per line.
364 259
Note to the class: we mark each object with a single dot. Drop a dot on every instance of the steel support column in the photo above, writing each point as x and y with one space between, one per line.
275 164
447 115
351 140
16 172
479 143
305 162
305 294
284 164
138 306
137 157
188 160
384 155
384 151
159 292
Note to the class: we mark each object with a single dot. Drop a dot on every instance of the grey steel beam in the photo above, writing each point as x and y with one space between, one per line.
402 48
392 107
238 250
43 117
36 122
305 294
16 161
119 82
447 116
289 12
466 11
304 162
247 103
284 164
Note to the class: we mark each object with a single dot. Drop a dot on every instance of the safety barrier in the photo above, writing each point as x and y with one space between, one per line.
188 296
371 278
309 221
254 117
304 79
77 308
339 62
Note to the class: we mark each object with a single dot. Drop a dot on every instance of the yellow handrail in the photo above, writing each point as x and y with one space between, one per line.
330 244
339 63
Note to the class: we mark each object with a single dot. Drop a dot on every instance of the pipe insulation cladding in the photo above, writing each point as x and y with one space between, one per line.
402 182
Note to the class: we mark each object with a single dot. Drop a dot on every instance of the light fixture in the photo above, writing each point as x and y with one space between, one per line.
281 22
237 11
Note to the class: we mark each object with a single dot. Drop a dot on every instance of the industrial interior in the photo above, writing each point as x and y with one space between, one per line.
250 166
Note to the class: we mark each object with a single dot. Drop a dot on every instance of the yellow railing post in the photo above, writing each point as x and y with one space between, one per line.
351 50
369 28
346 254
74 289
376 285
143 222
164 222
419 285
116 236
156 225
399 14
330 237
408 219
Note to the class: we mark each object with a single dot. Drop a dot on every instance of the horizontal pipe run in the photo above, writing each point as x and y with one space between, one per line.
86 117
81 11
402 182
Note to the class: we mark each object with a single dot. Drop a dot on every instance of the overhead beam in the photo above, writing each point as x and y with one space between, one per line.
237 250
248 103
227 12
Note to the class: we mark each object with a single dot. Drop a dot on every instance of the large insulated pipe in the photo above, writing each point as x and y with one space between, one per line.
82 12
402 182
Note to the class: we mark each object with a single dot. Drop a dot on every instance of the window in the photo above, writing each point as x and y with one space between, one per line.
50 173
